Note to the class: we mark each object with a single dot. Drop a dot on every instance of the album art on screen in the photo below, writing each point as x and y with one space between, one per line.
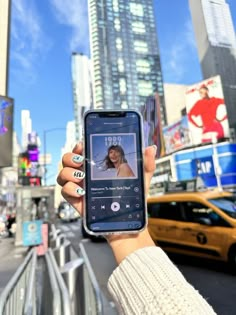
113 156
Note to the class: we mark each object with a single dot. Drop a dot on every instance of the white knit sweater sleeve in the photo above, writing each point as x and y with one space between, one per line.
147 282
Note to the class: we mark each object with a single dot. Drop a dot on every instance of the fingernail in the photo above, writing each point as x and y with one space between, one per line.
79 174
80 191
75 146
77 158
155 148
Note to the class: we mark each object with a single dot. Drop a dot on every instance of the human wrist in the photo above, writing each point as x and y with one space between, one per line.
124 245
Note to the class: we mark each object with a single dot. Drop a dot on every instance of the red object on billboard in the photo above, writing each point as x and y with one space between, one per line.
206 110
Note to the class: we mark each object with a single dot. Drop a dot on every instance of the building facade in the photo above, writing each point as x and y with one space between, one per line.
26 127
70 137
174 101
216 43
125 54
82 89
4 45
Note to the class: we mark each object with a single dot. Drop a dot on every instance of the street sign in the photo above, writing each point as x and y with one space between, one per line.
32 233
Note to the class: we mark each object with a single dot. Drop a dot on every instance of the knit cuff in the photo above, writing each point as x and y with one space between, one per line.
147 282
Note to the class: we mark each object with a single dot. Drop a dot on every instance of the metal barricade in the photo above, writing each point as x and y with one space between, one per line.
92 293
19 295
65 298
51 302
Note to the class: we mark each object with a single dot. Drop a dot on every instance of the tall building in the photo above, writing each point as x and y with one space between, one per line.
4 44
216 45
82 89
26 127
125 54
68 146
70 137
174 101
9 175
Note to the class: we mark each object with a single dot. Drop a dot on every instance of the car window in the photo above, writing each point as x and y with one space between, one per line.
226 204
194 211
165 210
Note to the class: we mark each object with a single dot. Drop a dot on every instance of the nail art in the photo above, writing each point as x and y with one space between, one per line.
80 191
78 158
79 174
155 147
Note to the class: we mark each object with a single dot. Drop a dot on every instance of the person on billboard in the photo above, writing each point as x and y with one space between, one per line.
208 113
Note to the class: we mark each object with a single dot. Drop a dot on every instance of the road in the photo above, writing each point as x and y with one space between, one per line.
210 278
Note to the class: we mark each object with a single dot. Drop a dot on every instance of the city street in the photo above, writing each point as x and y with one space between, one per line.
211 278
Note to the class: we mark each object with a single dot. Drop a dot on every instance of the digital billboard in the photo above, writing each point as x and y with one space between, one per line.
206 111
176 136
29 168
6 129
152 127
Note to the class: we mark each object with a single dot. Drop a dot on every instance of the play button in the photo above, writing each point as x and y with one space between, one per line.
115 206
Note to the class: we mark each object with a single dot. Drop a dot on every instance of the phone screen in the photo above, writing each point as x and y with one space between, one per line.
115 199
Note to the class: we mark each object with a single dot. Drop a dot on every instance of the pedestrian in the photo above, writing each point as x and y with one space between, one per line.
145 281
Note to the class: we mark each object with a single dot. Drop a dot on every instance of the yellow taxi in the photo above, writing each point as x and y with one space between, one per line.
196 223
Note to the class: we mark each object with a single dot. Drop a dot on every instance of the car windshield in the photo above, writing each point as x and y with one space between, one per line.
226 204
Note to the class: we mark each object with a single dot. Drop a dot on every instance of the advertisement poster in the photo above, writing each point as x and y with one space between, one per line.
176 136
32 233
42 249
106 149
152 127
206 111
6 128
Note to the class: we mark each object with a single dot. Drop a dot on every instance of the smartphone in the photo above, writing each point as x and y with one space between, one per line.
114 177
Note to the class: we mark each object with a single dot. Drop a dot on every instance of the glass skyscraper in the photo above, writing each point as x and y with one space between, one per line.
125 54
82 89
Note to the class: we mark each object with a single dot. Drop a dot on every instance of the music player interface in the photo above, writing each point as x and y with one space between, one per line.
114 185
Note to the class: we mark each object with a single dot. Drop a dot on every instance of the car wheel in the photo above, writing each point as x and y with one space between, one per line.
232 258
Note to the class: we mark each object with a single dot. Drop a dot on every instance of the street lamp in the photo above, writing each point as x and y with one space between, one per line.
45 132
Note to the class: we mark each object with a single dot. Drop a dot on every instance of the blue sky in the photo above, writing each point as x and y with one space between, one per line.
43 35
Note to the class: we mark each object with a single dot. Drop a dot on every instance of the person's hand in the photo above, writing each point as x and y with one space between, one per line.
71 179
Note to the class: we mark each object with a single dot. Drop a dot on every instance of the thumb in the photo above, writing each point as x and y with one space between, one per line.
149 164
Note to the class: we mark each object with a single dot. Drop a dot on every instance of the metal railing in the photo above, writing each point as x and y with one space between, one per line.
69 287
19 295
92 293
84 292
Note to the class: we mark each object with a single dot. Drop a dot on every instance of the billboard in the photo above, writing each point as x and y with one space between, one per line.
206 111
29 168
152 127
176 136
6 129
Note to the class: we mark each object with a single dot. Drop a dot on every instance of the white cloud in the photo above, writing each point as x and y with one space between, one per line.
74 14
29 42
175 60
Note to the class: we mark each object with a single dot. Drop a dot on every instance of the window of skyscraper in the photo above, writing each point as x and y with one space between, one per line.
136 9
119 45
140 46
145 88
115 5
138 27
117 24
143 66
124 105
120 63
122 83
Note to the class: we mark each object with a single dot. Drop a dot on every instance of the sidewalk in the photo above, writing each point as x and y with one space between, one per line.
10 258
